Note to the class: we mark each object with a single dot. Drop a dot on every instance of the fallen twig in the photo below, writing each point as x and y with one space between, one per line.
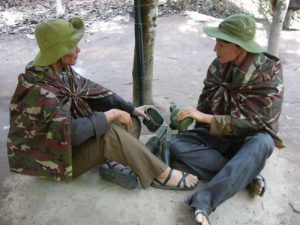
293 208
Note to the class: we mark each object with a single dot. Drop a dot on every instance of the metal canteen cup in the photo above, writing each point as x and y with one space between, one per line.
154 143
156 120
178 125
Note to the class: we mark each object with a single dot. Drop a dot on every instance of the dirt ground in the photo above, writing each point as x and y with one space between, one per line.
182 55
20 17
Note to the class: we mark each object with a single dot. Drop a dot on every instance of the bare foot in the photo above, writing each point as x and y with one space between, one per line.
175 178
201 217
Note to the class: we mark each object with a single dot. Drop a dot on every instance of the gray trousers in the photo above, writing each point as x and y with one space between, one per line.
229 163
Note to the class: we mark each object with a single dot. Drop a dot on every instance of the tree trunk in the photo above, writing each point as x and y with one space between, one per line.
279 11
60 9
149 17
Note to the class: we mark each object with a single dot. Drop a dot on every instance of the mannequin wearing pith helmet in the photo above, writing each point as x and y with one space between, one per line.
56 38
236 118
62 124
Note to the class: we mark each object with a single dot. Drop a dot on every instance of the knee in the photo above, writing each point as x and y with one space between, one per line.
265 143
136 127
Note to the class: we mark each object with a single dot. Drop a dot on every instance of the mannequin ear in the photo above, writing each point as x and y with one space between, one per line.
241 54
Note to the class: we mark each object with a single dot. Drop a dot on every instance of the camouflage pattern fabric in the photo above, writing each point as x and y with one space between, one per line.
41 109
248 98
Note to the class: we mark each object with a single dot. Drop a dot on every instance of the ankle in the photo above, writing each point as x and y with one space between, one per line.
164 174
200 211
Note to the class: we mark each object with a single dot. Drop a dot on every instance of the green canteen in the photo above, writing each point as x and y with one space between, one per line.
178 125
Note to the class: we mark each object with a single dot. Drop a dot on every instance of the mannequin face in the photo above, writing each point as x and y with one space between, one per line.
227 51
71 58
67 60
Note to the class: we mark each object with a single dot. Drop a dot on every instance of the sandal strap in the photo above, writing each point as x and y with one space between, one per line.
113 165
166 180
183 180
168 177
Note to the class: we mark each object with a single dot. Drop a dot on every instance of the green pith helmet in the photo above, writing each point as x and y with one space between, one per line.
56 38
239 29
178 125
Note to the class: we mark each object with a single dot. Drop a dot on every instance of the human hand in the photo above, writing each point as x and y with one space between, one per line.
120 116
140 111
194 114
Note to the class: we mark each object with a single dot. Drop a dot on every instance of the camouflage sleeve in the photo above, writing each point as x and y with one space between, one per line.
221 125
262 107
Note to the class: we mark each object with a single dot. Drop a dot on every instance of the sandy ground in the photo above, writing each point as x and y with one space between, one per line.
182 55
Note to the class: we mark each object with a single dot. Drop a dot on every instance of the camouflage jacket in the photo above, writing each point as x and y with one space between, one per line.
41 109
244 99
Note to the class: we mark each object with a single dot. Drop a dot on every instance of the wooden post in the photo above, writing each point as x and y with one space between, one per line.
149 17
